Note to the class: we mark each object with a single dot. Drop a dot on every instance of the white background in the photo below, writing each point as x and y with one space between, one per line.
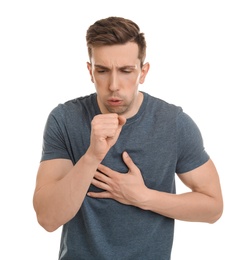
200 56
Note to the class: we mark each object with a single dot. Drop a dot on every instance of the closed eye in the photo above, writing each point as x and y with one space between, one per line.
126 71
101 70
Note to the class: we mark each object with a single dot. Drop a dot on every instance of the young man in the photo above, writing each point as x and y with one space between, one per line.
107 172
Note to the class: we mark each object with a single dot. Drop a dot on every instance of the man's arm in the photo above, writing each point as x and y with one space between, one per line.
203 204
60 190
61 187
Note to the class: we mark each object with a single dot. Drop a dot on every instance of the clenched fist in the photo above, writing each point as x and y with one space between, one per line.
104 133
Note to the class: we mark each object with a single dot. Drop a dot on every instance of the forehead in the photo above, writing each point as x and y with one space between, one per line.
121 54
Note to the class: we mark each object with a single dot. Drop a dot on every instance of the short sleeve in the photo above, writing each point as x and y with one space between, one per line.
53 138
191 151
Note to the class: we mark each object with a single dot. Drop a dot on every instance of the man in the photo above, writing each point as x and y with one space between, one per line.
107 172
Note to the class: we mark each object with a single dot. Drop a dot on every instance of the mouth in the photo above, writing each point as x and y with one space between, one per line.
114 101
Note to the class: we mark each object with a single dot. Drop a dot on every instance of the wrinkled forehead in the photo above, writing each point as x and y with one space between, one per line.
116 55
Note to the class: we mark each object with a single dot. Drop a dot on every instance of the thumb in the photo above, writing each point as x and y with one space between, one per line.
122 120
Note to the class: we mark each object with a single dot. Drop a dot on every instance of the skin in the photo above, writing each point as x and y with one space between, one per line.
116 73
61 186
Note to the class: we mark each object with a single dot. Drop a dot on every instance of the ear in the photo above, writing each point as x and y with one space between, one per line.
144 72
89 67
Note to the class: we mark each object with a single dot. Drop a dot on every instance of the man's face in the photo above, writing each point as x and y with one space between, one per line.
115 71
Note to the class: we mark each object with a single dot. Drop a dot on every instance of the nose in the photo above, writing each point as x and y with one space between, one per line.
113 84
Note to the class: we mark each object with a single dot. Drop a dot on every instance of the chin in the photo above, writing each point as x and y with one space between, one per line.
117 110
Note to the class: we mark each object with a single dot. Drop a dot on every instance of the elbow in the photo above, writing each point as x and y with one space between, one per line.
215 218
49 226
217 214
45 220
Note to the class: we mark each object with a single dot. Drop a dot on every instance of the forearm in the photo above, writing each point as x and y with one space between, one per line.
57 202
191 206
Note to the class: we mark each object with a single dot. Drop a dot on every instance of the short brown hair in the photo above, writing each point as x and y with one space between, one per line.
115 30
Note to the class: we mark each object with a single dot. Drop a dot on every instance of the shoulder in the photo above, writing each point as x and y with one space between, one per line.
162 107
76 106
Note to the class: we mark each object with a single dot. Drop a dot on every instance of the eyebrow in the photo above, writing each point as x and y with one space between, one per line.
123 67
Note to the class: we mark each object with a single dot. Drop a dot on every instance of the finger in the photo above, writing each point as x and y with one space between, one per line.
122 120
105 170
129 162
108 124
101 176
100 184
99 195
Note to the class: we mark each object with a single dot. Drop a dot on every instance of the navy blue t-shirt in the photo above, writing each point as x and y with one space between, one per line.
161 140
